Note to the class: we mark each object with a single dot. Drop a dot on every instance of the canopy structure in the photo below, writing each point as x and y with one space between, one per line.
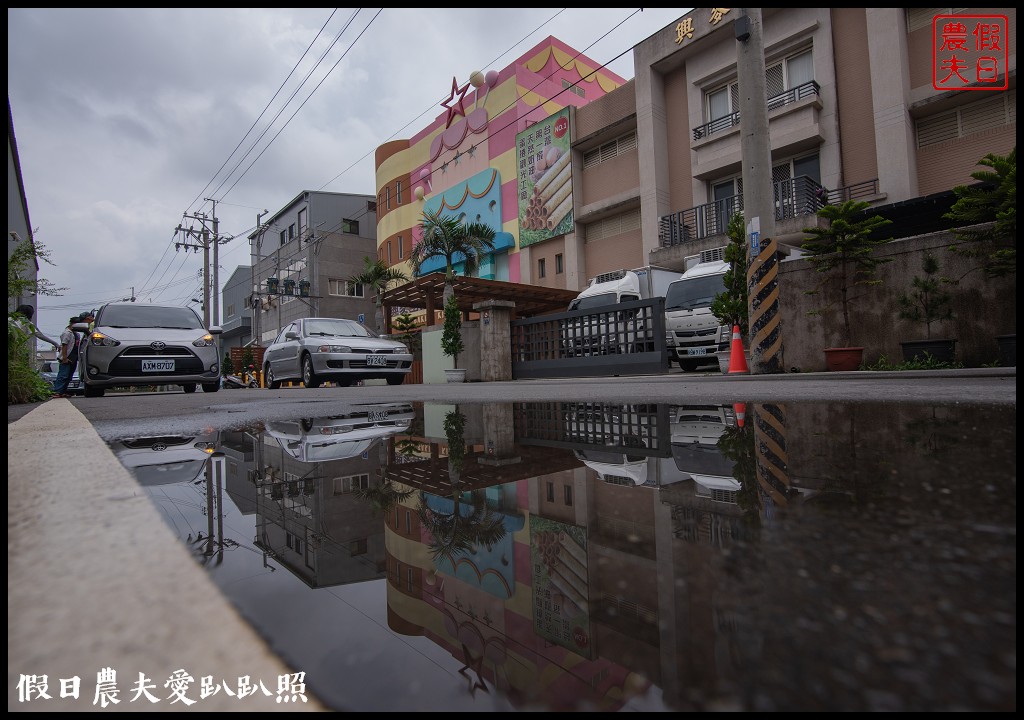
427 293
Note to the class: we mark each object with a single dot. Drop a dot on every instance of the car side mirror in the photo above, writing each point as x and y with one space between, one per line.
216 330
80 327
291 335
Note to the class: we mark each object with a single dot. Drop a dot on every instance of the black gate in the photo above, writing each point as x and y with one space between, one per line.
623 339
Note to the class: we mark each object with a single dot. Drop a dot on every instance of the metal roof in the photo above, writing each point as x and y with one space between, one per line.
530 300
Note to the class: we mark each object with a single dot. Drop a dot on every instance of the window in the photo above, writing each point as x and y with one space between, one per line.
229 310
389 253
398 192
401 248
568 495
291 231
357 547
609 150
551 492
302 222
559 267
408 579
540 268
615 225
293 542
343 288
575 89
284 236
986 114
387 197
344 485
350 227
408 522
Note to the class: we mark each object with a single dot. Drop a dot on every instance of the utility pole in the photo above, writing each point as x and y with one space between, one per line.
216 265
203 236
256 308
758 196
206 277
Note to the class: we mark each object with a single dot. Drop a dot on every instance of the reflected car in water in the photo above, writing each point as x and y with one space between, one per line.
315 350
139 345
166 459
340 436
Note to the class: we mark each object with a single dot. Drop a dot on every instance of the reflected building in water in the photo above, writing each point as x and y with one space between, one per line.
585 556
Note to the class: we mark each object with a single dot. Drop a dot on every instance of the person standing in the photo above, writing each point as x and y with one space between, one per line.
68 357
27 311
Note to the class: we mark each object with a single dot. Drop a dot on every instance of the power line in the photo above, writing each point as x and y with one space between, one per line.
267 106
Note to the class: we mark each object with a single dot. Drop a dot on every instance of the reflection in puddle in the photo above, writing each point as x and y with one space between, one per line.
593 556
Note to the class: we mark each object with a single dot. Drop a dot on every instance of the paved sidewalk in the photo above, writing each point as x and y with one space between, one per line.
95 579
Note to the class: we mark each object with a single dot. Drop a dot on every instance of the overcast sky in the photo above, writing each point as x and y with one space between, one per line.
127 119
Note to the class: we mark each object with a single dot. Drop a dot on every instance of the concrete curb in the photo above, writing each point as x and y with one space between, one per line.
96 579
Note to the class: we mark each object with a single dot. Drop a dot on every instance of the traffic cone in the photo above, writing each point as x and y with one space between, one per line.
737 359
741 413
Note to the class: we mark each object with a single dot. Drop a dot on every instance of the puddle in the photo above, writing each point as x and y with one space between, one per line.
596 556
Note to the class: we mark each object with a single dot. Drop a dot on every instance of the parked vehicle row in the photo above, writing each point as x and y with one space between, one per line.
139 344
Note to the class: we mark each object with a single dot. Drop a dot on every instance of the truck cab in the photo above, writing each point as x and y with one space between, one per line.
692 332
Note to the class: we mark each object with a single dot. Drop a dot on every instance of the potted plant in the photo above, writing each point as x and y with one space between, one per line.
730 306
843 252
927 302
451 339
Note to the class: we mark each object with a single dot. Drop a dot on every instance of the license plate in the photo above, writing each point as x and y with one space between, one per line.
157 366
378 416
696 351
377 360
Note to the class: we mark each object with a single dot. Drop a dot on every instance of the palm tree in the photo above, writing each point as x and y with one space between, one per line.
378 276
445 236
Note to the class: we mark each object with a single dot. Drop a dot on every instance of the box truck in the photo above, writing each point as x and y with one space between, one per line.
622 331
692 333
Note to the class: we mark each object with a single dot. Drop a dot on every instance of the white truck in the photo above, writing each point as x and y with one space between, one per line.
692 333
625 333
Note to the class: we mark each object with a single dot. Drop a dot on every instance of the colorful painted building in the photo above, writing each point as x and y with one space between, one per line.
492 156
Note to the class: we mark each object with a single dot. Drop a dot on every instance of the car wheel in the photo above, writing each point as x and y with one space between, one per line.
309 378
395 379
211 387
189 387
272 382
688 365
93 391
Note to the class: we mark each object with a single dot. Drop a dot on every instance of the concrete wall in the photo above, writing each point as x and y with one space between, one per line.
436 362
982 309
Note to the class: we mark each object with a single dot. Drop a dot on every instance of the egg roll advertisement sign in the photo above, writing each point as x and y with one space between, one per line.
544 172
561 595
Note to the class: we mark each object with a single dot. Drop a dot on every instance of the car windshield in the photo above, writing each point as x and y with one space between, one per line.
694 292
334 327
149 316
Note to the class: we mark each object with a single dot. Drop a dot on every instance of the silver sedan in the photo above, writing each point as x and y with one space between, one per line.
316 350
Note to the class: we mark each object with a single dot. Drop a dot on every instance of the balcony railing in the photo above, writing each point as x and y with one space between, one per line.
795 197
725 122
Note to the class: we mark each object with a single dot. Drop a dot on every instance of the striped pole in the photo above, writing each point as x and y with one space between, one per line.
763 299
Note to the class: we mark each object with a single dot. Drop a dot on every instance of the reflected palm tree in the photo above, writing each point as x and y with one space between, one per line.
471 522
384 496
